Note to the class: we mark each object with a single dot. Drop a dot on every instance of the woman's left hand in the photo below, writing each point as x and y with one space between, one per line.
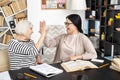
38 60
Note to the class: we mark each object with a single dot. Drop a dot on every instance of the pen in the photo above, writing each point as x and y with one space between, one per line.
104 65
29 75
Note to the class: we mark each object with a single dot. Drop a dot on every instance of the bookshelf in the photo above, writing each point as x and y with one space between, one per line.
92 23
109 35
92 20
107 12
11 12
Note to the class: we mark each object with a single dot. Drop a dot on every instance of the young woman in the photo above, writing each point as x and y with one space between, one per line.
73 45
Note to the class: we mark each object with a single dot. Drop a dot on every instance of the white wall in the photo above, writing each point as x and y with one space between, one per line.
52 17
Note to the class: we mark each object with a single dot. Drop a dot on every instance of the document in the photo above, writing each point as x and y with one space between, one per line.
46 70
5 75
77 65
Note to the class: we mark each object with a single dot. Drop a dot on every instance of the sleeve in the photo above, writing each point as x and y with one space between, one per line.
53 42
20 48
90 51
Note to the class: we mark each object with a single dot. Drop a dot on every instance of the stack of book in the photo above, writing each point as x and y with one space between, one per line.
18 5
14 7
115 64
7 10
20 16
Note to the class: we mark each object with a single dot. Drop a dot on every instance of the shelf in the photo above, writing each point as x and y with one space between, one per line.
106 13
3 31
12 14
16 13
3 46
3 28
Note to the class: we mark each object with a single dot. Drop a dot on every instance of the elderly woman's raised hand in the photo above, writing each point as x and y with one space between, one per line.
43 28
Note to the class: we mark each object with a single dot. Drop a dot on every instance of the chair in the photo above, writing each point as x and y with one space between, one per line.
4 60
49 53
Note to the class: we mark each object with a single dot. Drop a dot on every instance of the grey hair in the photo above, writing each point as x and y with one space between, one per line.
22 26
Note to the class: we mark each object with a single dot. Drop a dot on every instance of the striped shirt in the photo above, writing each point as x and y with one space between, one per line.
21 54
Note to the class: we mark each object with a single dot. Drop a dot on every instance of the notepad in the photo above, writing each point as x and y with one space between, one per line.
46 70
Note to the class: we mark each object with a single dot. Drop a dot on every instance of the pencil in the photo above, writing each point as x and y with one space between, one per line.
104 65
30 75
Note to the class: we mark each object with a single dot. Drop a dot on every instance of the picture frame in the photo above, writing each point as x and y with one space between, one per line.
53 4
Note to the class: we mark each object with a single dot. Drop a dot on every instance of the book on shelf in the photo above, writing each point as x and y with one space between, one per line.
22 4
16 20
7 38
77 65
1 20
4 2
115 64
20 15
14 7
46 70
7 10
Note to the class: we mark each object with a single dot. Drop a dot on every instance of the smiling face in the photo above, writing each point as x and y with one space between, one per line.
70 27
28 33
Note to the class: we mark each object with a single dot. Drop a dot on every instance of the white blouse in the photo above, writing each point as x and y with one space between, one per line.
68 47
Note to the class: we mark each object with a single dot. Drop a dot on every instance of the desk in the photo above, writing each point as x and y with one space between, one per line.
92 74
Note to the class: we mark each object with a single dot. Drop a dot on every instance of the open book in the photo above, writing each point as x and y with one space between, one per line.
46 70
77 65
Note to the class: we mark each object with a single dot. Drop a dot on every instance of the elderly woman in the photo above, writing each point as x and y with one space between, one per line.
23 52
73 45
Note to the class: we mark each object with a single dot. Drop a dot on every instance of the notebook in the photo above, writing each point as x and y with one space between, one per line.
46 70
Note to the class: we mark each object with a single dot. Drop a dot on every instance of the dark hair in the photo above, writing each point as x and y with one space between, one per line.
76 20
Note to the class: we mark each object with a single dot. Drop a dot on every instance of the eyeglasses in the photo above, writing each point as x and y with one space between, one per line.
67 24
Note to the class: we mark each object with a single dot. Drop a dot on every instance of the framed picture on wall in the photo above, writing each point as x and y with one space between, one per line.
53 4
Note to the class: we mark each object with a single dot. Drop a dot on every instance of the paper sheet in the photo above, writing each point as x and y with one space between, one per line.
4 75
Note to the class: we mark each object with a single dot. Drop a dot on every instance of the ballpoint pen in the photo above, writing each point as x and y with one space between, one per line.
104 65
30 75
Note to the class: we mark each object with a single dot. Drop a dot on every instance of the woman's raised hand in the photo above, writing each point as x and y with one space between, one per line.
43 28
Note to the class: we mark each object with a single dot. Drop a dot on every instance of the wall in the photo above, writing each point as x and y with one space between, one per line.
52 17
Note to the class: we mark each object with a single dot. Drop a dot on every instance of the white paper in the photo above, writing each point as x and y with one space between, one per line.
4 76
46 70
